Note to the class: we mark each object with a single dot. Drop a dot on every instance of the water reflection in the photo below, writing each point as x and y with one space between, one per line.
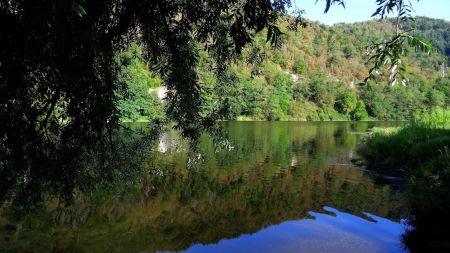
275 173
334 231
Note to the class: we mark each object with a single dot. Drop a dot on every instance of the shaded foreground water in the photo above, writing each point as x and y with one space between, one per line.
274 187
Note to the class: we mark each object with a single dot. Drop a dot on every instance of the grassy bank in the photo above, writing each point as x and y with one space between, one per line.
423 143
420 152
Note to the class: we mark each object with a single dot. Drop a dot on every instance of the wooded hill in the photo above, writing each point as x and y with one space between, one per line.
315 74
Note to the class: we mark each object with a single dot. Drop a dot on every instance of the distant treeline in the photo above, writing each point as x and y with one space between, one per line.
316 74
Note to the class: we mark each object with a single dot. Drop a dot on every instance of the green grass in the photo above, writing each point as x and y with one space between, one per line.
423 140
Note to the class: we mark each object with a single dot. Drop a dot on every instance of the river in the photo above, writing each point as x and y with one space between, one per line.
266 187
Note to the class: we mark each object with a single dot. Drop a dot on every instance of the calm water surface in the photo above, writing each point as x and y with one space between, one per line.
271 187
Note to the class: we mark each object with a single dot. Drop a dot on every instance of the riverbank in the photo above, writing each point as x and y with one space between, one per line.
420 153
249 119
404 149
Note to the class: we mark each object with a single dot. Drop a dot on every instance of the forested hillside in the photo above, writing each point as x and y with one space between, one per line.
316 73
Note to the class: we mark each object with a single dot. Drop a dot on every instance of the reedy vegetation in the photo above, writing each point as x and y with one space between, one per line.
418 145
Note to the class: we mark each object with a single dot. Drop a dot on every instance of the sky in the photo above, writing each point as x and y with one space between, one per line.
361 10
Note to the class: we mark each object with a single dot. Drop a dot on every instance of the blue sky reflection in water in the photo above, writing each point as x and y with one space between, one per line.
332 231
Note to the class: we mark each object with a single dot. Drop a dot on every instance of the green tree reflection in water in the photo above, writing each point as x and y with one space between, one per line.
271 172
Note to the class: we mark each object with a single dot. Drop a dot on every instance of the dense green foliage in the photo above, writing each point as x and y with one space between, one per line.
137 102
315 74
